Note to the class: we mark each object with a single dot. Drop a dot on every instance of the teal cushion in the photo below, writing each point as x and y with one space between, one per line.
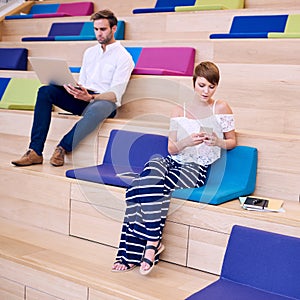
230 177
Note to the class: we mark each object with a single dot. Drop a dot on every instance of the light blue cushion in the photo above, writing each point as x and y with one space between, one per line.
135 52
230 177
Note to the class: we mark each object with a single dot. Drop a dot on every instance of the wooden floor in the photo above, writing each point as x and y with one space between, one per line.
70 268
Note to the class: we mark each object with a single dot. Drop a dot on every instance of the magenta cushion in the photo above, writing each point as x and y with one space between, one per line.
166 61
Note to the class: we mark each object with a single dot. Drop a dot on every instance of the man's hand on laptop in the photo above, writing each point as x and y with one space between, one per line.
79 92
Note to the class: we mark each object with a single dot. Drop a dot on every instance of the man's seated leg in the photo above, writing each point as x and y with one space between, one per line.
94 114
47 97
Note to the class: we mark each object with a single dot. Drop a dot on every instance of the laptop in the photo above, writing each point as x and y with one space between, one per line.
52 71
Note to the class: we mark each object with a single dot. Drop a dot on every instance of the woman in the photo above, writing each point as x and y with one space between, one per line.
192 148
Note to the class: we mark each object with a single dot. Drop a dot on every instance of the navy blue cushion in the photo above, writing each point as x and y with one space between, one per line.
13 59
66 28
38 38
126 151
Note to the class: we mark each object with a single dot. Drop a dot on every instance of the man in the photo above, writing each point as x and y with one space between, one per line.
105 70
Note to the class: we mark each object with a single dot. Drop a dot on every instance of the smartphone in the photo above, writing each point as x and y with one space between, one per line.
207 130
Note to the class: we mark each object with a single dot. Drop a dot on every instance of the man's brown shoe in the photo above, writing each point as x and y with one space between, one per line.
28 159
58 157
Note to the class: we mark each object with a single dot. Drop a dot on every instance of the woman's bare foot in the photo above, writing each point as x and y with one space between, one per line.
122 267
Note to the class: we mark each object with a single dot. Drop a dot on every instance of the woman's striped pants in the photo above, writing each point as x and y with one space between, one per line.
148 200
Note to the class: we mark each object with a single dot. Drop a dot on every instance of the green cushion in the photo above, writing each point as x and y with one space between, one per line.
292 28
200 7
283 35
20 94
292 24
212 5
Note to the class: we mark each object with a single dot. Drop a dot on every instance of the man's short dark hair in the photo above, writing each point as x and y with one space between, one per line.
105 14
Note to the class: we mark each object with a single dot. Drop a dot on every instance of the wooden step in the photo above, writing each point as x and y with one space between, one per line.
263 96
155 26
87 210
258 51
273 161
47 264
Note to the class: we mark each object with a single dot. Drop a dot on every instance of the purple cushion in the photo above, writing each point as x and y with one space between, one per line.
126 151
227 290
257 265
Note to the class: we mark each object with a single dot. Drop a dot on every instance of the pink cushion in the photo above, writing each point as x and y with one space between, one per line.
76 8
166 61
51 15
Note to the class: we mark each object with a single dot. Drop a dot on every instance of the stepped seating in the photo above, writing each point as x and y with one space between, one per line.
18 93
13 59
252 267
212 5
195 235
193 230
163 6
232 176
292 28
54 10
74 31
253 27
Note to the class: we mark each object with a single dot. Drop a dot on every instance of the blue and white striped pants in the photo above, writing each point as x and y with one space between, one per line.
148 200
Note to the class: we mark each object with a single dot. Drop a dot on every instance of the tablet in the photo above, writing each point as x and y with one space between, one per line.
52 71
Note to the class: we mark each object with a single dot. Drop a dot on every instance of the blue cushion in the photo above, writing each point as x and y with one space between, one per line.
12 17
242 35
13 59
260 23
136 149
164 6
36 9
44 8
75 31
75 69
257 265
135 52
3 85
231 176
253 26
74 38
120 33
